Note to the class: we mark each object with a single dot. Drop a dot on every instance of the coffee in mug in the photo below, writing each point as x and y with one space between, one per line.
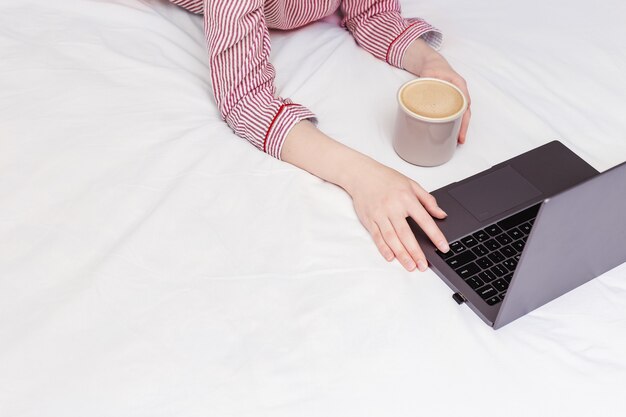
428 121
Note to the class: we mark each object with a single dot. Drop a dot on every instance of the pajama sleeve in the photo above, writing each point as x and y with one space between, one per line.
378 27
242 76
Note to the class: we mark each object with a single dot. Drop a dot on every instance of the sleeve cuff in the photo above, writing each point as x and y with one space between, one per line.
417 28
286 117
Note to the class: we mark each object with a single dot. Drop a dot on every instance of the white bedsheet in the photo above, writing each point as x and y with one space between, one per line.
154 264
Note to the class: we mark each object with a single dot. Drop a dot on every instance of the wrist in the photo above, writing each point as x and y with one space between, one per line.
416 55
310 149
352 171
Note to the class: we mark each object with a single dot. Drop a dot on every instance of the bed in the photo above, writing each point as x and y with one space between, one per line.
154 264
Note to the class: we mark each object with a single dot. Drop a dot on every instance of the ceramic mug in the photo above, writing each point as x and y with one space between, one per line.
428 121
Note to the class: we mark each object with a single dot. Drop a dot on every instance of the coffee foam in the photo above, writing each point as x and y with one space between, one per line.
432 99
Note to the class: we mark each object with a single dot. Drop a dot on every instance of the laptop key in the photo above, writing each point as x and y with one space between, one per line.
496 257
504 239
493 230
508 251
484 262
502 295
510 264
457 247
480 250
486 292
468 270
481 236
499 270
525 228
461 259
469 241
493 300
474 282
518 245
508 277
515 233
500 284
487 276
491 244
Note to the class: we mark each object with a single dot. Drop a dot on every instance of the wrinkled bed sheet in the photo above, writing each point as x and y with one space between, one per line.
154 264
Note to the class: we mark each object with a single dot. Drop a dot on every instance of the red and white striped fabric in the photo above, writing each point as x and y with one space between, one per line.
239 49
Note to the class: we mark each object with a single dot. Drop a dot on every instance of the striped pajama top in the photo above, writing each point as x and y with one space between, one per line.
239 48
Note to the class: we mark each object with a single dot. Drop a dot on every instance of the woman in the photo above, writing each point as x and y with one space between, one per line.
243 84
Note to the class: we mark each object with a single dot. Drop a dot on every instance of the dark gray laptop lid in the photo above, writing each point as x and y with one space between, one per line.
579 234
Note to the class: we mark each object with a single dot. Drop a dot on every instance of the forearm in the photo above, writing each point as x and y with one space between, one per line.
383 198
310 149
415 56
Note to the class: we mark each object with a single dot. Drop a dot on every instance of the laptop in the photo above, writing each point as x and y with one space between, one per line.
527 231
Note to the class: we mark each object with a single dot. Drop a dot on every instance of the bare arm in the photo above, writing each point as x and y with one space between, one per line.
382 197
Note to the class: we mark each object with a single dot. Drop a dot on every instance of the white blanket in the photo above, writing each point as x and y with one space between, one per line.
154 264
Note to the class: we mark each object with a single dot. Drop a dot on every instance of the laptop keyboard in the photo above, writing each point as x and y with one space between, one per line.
487 258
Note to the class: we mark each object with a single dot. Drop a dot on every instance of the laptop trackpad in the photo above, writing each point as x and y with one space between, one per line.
494 193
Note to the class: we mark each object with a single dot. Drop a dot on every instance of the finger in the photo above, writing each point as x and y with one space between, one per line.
407 238
462 84
427 224
463 87
428 201
464 125
391 238
383 248
468 113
